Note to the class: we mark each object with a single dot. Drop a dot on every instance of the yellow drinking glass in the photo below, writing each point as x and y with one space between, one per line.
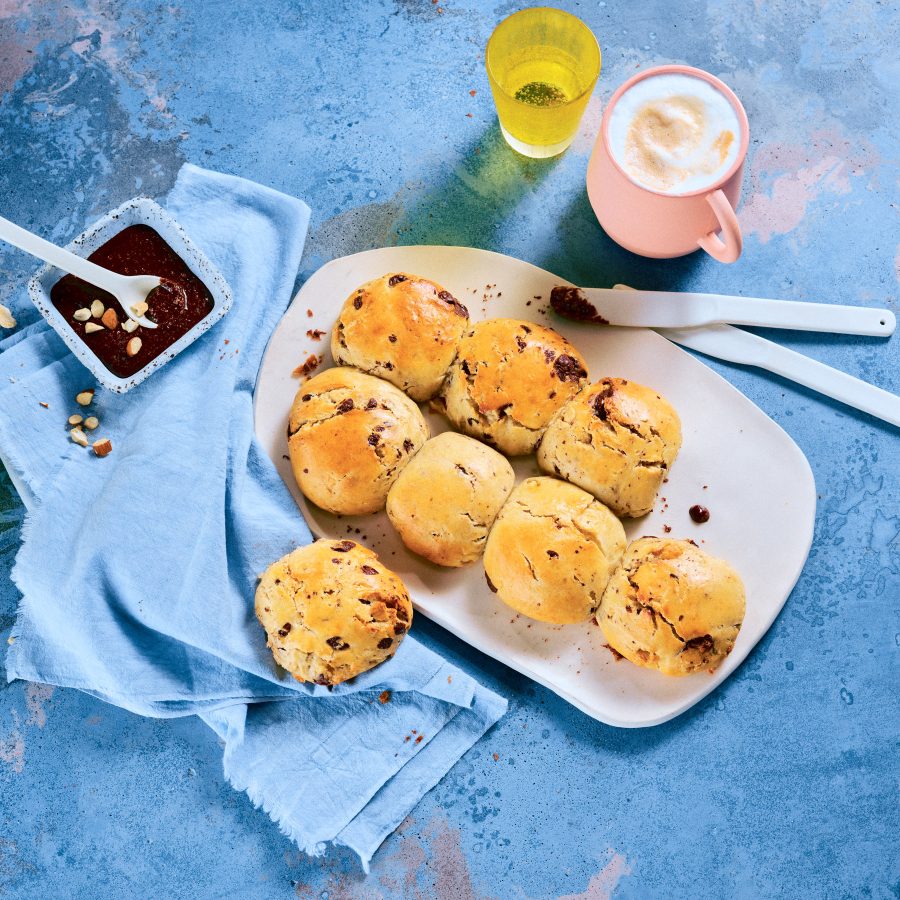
542 64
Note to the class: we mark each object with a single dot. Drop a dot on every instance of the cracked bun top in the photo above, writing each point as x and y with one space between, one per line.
446 499
616 439
507 381
403 328
672 607
331 611
552 550
349 436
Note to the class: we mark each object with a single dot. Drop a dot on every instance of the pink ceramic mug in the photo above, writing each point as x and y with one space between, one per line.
660 225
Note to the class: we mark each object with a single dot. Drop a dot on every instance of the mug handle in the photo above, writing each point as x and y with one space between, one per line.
725 249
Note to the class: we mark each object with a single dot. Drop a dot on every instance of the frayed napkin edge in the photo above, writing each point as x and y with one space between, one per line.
484 703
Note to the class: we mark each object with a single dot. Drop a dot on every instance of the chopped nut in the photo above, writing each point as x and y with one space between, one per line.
103 447
91 422
133 347
92 328
75 420
129 325
81 315
7 319
45 405
140 309
97 309
85 397
79 437
110 319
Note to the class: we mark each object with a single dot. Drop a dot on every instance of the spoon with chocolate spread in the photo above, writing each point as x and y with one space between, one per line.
131 291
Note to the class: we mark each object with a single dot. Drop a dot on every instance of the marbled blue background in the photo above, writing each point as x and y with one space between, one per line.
783 783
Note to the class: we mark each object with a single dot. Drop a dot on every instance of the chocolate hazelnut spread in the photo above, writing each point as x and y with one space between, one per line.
570 303
176 306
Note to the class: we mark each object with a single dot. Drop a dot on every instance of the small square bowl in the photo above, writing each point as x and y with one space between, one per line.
139 211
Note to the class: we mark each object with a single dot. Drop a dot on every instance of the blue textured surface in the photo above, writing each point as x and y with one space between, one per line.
783 783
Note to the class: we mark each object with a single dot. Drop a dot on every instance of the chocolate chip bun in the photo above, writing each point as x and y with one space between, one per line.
349 436
507 381
446 499
331 611
552 550
403 328
671 607
616 439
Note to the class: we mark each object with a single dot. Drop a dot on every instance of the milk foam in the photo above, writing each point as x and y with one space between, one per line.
674 133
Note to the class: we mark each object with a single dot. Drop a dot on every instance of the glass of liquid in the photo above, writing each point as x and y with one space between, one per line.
542 64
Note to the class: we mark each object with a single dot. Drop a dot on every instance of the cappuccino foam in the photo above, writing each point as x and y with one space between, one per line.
674 133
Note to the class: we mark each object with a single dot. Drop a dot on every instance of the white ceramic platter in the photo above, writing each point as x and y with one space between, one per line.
736 461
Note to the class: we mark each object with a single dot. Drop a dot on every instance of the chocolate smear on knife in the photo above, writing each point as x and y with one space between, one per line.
570 303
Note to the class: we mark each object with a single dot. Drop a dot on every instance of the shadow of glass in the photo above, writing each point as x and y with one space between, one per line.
469 204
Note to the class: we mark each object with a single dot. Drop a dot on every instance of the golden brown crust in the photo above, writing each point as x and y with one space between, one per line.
349 436
552 550
672 607
403 328
331 611
507 381
446 499
616 439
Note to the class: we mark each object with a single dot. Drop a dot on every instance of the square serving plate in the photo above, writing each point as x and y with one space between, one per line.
734 460
138 211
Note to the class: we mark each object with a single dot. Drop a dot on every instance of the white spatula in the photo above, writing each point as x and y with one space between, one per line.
738 346
734 345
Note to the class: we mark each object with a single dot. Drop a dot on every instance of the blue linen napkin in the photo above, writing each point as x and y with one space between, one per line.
138 570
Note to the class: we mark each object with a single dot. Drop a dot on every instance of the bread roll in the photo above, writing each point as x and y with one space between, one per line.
552 550
403 328
446 499
349 436
331 610
618 440
672 607
508 380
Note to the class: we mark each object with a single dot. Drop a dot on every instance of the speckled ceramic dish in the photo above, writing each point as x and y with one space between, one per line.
139 211
734 460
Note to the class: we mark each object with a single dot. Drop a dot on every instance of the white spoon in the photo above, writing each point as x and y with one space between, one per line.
129 290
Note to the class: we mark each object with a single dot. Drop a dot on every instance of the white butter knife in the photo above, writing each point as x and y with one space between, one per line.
664 309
